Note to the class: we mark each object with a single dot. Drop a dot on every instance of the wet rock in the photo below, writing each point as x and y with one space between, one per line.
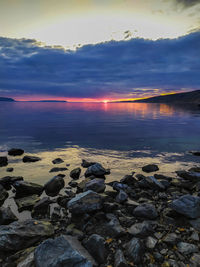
97 170
57 161
75 173
154 183
118 186
96 247
7 181
59 252
9 169
82 184
30 158
23 234
86 164
3 161
7 216
163 177
191 176
141 229
187 205
150 168
57 169
171 239
147 211
41 207
186 248
15 152
128 179
85 202
26 189
73 184
121 197
3 195
119 259
26 203
135 249
97 185
54 185
151 242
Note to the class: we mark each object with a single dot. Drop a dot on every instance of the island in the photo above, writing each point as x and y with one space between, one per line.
7 99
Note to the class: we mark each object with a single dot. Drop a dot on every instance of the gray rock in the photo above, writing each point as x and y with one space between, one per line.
59 252
121 197
151 242
191 176
3 161
113 227
28 261
97 185
119 259
23 234
54 185
150 168
96 247
195 260
186 248
15 152
195 223
154 183
41 207
30 158
26 189
171 239
3 195
57 169
75 173
135 249
57 161
7 216
85 202
141 229
163 177
26 203
147 211
10 169
86 164
187 205
97 170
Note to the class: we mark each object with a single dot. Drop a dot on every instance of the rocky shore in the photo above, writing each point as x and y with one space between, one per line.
141 220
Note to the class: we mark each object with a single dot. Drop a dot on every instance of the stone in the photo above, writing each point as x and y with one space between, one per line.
121 197
195 224
195 153
73 184
57 169
28 261
75 173
96 247
151 242
20 235
118 186
119 259
191 176
186 248
3 161
113 227
56 214
26 189
96 185
171 239
10 169
7 216
3 195
163 177
54 185
86 164
142 229
41 207
59 252
26 203
195 260
150 168
128 179
154 183
97 170
30 158
146 211
57 161
7 181
15 152
88 201
187 205
135 250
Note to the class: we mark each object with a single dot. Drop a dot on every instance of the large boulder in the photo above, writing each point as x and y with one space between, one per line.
26 203
75 173
54 185
3 195
6 216
23 234
97 170
28 158
26 189
3 161
85 202
59 252
97 185
146 210
15 152
150 168
187 205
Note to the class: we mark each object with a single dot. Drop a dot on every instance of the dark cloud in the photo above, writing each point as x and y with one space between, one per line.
137 66
188 3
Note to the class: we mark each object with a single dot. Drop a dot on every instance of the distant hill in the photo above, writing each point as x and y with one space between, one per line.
52 101
7 99
179 98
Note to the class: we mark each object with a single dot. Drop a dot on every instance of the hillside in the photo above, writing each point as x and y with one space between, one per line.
7 99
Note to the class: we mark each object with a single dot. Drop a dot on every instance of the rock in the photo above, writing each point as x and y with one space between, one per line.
30 158
191 176
135 249
9 169
150 168
141 229
128 179
147 211
24 189
194 169
195 260
7 181
86 164
3 161
96 247
57 169
23 234
119 259
194 236
75 173
113 227
97 170
85 202
73 184
56 214
121 197
118 186
42 207
26 203
15 152
171 239
151 242
7 216
186 248
187 205
54 185
195 153
57 161
28 261
195 223
82 184
154 183
3 195
59 252
163 177
96 185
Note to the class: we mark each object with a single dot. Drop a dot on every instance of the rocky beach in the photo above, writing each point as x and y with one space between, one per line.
146 218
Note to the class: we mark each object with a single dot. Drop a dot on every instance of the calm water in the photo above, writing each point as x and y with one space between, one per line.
112 132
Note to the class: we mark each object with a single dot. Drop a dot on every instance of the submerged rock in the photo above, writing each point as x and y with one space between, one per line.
54 185
26 203
147 211
57 169
150 168
15 152
57 161
97 170
26 189
3 195
3 161
7 216
75 173
30 158
10 169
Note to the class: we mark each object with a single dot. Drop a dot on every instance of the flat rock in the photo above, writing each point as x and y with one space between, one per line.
75 173
54 185
3 161
147 211
57 169
57 161
15 152
150 168
186 248
26 189
7 216
3 195
96 185
26 203
23 234
97 170
135 250
28 158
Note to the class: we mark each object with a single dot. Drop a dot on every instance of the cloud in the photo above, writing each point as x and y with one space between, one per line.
132 68
188 3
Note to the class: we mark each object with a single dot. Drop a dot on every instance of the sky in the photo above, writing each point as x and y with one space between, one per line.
86 50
